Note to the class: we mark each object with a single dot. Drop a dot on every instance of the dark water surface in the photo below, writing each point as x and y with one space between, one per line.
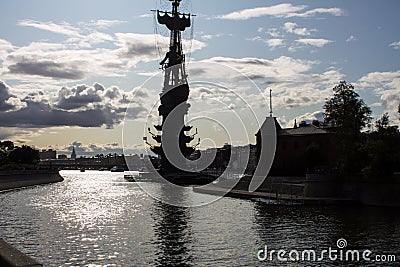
97 219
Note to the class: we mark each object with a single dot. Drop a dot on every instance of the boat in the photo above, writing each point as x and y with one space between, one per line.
117 169
140 177
82 170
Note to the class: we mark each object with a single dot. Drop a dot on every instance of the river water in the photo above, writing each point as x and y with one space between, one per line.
98 219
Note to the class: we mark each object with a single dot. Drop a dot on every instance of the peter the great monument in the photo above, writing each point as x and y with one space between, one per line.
173 139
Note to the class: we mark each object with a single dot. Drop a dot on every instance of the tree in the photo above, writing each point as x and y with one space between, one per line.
346 110
348 113
383 127
24 155
382 149
5 148
6 145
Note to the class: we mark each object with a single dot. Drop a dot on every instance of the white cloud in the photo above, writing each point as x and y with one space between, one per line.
306 89
146 16
352 38
274 32
103 24
314 42
64 28
373 78
281 10
83 37
284 10
210 36
310 116
5 48
332 11
140 47
395 45
275 42
291 27
293 82
19 135
8 101
386 85
280 68
82 105
48 62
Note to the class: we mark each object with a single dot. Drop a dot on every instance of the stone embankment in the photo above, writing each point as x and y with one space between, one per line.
17 179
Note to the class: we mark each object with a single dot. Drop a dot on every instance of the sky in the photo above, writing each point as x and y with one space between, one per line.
69 70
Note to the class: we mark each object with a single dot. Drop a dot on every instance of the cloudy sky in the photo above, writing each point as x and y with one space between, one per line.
69 69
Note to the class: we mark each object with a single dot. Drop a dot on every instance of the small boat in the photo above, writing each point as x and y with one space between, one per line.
130 177
139 177
117 169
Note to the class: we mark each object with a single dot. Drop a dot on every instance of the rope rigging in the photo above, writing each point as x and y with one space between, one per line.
160 31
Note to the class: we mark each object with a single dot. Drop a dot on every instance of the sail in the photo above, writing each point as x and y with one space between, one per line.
178 23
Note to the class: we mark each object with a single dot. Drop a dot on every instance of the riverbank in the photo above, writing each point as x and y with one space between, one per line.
12 257
316 190
18 179
278 197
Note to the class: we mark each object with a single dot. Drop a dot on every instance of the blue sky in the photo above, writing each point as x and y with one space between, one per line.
68 69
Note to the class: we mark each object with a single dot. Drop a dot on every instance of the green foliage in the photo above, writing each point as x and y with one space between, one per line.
6 145
5 148
24 155
347 111
382 149
11 155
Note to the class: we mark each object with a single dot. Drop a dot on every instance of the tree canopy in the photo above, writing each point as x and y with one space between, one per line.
382 149
372 153
11 154
346 110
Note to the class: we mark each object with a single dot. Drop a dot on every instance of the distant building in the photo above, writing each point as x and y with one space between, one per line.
48 154
73 154
303 148
63 156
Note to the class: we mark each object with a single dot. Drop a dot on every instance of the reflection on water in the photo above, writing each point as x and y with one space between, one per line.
174 235
317 228
98 219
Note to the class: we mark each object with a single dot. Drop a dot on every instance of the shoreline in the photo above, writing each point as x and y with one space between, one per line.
314 190
10 180
10 256
281 198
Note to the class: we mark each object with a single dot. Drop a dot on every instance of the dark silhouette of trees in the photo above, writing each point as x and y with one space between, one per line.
382 149
17 156
24 155
5 148
348 113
